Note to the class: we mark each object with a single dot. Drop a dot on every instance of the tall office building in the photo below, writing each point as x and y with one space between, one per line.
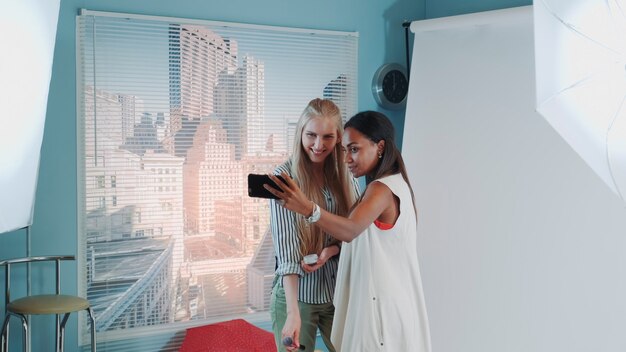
290 133
240 104
132 109
197 57
211 174
337 91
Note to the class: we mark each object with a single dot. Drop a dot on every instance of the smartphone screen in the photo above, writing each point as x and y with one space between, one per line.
256 189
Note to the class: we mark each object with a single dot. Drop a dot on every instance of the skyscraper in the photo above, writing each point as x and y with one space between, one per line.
197 57
240 104
337 91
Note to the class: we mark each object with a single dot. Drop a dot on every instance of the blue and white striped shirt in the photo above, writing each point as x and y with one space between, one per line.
314 288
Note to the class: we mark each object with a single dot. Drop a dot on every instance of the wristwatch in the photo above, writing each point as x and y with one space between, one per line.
315 216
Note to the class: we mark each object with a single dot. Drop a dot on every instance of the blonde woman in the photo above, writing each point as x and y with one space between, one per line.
302 294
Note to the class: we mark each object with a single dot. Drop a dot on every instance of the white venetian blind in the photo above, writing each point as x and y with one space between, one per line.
173 115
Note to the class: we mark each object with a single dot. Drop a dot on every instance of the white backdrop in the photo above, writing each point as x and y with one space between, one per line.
522 246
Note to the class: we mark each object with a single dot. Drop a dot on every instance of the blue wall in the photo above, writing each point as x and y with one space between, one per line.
381 40
442 8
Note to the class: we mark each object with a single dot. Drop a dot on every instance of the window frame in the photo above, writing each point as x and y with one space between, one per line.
114 180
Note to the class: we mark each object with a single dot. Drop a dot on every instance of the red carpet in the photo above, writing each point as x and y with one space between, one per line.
230 336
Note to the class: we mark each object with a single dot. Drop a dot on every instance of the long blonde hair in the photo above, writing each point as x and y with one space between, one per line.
336 176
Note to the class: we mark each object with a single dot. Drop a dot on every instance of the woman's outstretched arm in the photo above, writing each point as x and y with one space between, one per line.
377 198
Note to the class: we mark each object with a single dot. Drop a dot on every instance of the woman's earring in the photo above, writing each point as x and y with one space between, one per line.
380 155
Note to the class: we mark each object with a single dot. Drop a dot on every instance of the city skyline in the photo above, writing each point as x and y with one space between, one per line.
169 187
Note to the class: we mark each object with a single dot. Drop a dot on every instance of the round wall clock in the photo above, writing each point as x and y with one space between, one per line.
390 86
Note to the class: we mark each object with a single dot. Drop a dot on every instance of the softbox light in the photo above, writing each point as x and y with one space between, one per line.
580 58
27 34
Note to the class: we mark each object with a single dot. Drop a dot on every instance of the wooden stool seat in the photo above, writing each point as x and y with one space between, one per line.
48 304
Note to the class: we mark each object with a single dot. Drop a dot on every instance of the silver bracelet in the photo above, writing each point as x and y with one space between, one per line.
317 213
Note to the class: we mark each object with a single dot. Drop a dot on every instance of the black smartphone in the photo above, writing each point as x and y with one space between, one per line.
256 189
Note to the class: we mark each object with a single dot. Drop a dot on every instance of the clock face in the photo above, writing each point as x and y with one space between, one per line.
390 86
395 86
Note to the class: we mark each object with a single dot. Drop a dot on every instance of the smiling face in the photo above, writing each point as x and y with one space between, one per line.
361 154
319 137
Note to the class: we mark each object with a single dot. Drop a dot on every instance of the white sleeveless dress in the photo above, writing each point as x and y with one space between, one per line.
379 301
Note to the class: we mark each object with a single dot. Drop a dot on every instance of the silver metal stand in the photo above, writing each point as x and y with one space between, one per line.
28 278
5 341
